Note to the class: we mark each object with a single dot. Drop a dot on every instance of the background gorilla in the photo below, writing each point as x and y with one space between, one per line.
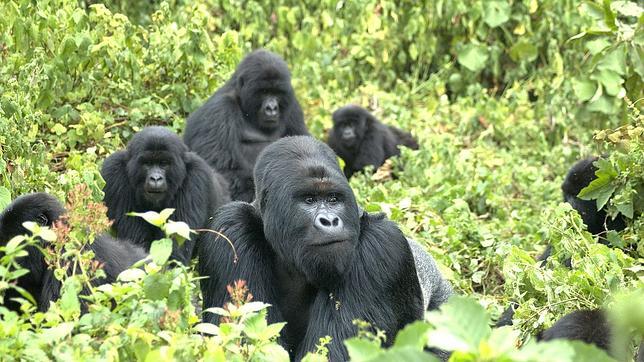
156 171
589 326
305 247
361 140
40 282
254 108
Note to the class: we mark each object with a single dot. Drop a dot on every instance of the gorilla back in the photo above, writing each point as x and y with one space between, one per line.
254 108
306 248
40 282
156 171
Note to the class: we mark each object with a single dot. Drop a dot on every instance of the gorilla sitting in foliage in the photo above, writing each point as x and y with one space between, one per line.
588 326
306 248
361 140
254 108
156 171
40 282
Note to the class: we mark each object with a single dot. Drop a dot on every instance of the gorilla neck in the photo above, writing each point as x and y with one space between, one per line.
295 297
254 140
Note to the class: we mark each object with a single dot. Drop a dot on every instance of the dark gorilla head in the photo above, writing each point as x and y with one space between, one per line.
263 84
310 214
155 166
40 208
350 124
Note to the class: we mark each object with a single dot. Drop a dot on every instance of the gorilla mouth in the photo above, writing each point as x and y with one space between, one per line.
328 242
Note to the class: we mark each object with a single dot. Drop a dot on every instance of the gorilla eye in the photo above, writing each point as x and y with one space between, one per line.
309 199
333 199
42 220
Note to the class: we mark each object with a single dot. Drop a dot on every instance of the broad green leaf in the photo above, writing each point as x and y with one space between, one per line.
523 50
5 197
413 335
131 275
58 332
160 250
461 324
404 354
207 328
154 218
584 88
595 46
602 187
611 81
362 349
274 352
614 61
69 302
218 311
253 307
496 12
472 57
157 286
178 228
626 209
14 243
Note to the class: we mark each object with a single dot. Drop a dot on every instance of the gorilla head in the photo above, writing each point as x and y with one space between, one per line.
310 214
40 207
263 85
350 124
155 165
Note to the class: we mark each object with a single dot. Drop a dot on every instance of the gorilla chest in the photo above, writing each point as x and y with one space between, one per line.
294 299
253 141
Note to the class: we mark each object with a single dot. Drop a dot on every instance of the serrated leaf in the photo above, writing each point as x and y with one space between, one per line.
160 251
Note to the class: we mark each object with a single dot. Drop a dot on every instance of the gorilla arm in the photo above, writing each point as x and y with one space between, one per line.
381 287
240 223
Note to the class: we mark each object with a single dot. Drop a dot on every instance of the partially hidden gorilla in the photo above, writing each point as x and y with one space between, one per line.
597 222
256 107
589 326
306 248
156 171
40 282
362 140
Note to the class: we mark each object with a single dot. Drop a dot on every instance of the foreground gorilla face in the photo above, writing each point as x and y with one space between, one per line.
349 125
155 165
310 215
264 87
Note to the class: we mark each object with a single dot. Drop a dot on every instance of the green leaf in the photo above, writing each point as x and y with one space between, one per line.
595 46
523 50
207 328
496 13
404 354
584 89
160 250
14 243
5 197
626 209
131 275
472 57
413 335
602 187
461 324
179 228
69 303
611 81
58 332
154 218
614 61
253 307
362 349
157 286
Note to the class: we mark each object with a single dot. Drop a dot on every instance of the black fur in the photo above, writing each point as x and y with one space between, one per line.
589 326
191 188
361 140
40 282
318 289
231 129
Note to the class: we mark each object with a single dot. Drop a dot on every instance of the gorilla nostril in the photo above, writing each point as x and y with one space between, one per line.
328 222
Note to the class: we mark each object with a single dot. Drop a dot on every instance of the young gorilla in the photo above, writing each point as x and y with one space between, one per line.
305 247
156 171
361 140
256 107
40 282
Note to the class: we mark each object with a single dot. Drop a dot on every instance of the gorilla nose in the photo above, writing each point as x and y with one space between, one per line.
156 181
271 107
348 134
328 222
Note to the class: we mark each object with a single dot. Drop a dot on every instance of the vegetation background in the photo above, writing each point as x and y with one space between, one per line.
504 96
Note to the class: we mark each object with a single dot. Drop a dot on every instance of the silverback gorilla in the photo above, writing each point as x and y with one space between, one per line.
156 171
306 248
361 140
40 282
256 107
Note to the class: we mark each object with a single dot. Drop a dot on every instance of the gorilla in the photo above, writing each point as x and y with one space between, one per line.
580 175
256 107
588 326
40 282
156 171
361 140
305 247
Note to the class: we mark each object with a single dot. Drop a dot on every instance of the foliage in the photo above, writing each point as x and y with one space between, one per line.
503 96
